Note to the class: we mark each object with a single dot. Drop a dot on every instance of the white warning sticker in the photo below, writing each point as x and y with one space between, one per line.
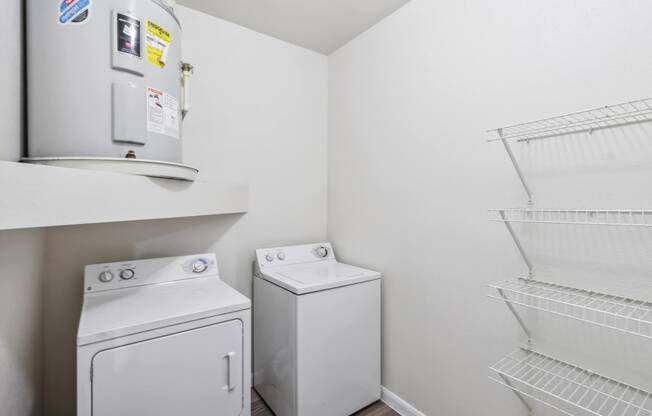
162 113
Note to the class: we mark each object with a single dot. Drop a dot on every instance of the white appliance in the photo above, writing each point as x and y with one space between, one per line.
162 337
106 86
316 332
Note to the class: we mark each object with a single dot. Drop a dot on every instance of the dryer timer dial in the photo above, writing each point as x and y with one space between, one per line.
199 266
322 251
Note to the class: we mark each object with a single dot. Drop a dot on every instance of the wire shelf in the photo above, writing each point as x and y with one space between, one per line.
568 388
617 217
623 314
632 112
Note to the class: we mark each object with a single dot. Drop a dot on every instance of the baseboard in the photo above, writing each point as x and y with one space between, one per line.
399 405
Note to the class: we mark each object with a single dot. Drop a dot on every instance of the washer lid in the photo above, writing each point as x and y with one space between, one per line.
307 278
118 313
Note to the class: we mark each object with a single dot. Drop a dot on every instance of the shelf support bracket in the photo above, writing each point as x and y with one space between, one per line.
508 148
517 316
521 250
519 395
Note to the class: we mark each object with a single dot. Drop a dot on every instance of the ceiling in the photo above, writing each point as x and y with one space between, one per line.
320 25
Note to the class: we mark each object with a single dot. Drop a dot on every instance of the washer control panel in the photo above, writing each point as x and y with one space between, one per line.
120 275
284 256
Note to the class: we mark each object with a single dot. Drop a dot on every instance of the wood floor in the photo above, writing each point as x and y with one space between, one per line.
258 408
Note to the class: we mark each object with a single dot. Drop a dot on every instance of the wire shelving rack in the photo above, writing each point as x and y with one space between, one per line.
568 388
571 390
587 121
631 112
627 315
608 217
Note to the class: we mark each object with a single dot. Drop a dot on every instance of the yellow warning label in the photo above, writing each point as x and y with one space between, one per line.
158 41
158 31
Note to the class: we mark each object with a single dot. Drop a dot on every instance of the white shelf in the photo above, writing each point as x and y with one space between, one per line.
44 196
632 112
568 388
623 314
609 217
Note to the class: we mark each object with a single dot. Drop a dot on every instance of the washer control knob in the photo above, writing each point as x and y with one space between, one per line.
199 266
280 255
105 277
269 258
127 274
322 251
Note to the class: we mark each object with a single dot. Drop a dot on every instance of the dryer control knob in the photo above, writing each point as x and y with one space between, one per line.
280 255
322 251
269 258
105 277
199 266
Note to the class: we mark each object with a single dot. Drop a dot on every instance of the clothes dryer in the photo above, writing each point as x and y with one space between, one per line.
162 337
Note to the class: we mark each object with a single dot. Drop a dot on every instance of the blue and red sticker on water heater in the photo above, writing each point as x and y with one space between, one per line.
74 11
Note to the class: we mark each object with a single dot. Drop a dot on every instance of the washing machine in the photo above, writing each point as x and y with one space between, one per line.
162 337
316 332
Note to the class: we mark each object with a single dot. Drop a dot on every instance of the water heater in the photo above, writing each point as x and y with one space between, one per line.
106 87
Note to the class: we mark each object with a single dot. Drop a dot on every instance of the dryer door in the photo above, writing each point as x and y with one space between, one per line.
197 372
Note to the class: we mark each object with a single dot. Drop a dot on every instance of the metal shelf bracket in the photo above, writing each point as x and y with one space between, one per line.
519 395
517 316
508 148
521 250
527 261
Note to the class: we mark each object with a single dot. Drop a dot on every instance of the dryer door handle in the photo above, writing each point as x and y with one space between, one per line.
229 371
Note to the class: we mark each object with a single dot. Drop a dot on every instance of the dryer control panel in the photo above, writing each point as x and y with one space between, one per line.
123 274
286 256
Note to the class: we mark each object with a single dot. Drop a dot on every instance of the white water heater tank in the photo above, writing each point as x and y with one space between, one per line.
106 85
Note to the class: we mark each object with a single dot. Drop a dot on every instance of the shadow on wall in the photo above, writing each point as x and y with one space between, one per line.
614 150
608 169
21 252
69 249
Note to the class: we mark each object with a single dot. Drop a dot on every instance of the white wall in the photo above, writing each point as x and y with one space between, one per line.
21 323
259 117
21 252
410 178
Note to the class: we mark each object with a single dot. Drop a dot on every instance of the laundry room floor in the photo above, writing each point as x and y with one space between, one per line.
258 408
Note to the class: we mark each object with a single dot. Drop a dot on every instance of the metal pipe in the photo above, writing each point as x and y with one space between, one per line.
187 70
